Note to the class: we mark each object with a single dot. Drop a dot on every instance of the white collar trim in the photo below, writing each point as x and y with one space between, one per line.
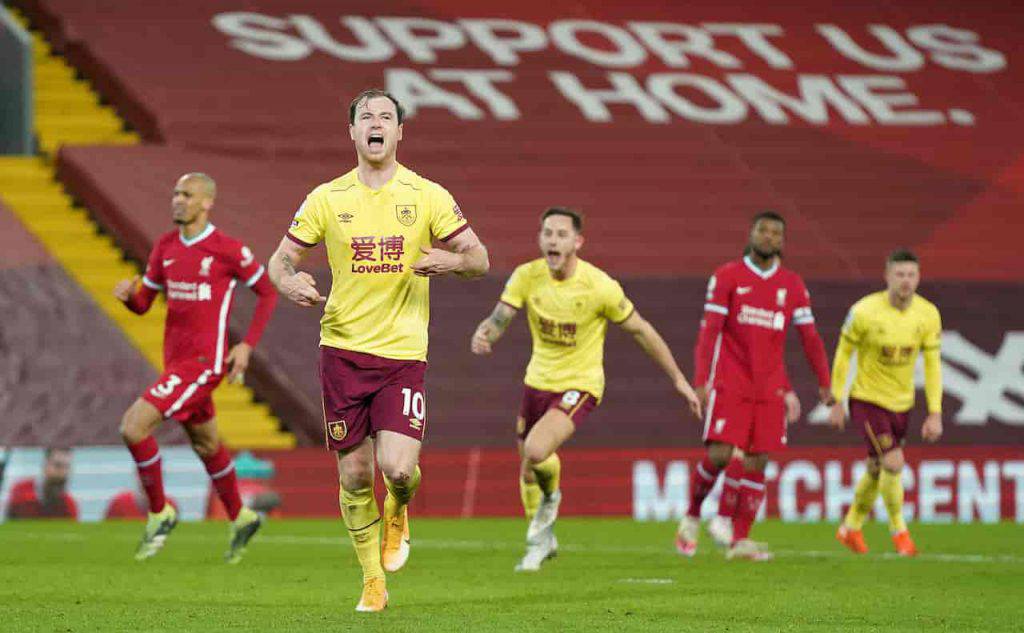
763 274
199 238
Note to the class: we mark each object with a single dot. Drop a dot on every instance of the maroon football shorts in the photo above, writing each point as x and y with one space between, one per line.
753 426
364 394
576 404
184 392
882 429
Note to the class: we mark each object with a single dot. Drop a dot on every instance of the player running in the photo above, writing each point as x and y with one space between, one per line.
888 330
569 304
751 302
377 223
197 267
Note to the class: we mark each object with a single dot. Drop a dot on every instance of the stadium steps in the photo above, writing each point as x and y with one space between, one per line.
68 112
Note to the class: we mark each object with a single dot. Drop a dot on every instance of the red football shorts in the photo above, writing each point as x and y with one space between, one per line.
184 392
882 429
753 426
576 404
364 394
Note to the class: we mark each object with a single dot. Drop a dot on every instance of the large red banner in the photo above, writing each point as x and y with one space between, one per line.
943 484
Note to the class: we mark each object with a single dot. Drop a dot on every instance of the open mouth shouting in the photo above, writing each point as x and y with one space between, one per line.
375 142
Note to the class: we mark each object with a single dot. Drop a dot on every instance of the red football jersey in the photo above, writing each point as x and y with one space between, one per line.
24 503
758 307
198 277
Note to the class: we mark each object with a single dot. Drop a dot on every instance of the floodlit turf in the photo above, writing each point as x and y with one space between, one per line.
611 575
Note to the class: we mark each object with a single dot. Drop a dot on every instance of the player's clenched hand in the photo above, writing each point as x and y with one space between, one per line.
931 430
301 288
124 288
837 416
436 261
692 397
238 361
481 342
792 407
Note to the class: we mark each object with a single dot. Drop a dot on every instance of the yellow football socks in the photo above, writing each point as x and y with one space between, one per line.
362 517
863 500
530 494
400 495
549 473
890 484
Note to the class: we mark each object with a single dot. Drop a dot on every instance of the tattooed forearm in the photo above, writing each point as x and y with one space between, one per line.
499 320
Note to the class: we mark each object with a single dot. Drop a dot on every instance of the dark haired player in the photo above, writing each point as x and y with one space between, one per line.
569 303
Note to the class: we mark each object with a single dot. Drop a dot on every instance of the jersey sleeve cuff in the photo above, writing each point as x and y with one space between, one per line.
256 277
152 285
632 309
510 304
455 232
298 241
714 307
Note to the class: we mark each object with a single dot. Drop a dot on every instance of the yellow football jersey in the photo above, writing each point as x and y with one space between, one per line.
887 342
568 321
376 304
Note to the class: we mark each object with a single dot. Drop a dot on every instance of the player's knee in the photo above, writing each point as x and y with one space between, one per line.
756 462
526 472
720 454
893 461
205 447
874 467
131 430
398 475
355 478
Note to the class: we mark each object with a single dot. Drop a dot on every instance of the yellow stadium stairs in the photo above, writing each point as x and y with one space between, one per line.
68 112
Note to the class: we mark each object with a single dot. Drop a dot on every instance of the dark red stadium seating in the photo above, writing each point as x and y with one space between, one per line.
666 203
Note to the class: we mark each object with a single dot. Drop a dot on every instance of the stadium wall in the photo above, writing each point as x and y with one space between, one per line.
944 484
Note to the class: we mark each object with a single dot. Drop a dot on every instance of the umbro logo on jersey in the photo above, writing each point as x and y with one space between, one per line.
168 262
345 217
742 290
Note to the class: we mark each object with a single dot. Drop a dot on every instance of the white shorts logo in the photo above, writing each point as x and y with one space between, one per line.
570 399
719 425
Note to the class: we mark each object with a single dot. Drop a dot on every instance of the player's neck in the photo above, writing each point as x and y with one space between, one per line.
376 176
898 303
192 229
566 271
764 263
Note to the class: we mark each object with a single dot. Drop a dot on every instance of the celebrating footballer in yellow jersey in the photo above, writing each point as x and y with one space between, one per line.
374 236
378 222
888 330
569 304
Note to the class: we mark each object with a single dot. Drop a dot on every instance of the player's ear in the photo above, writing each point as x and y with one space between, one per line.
400 125
579 241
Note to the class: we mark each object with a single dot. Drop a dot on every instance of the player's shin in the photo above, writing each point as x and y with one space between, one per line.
530 493
549 474
221 469
704 475
750 498
362 518
890 484
147 460
863 500
731 488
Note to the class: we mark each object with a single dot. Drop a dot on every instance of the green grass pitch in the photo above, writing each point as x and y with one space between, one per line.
611 575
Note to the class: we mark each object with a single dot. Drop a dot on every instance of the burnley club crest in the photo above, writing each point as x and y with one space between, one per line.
406 214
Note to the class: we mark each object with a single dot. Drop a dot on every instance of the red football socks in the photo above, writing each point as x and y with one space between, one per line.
222 473
750 497
731 488
702 480
147 460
